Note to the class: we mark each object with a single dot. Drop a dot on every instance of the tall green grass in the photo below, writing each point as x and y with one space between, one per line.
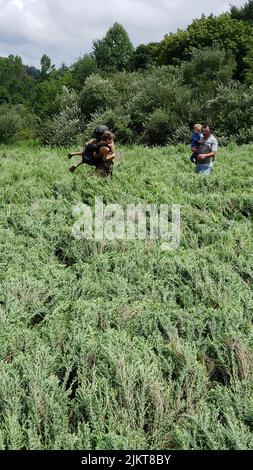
119 345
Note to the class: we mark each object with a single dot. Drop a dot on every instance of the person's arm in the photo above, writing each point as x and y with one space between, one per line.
203 156
213 149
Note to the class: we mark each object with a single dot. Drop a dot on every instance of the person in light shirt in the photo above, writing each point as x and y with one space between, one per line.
206 152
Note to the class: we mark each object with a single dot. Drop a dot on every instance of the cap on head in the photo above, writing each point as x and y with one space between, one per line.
100 130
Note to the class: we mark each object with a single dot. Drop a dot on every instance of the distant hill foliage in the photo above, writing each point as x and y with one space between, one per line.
151 94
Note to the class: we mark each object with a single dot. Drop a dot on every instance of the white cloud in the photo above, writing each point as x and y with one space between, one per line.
64 29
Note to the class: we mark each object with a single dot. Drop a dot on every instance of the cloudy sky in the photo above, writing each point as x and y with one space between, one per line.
64 29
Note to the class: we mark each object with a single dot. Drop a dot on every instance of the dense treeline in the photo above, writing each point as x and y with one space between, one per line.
152 94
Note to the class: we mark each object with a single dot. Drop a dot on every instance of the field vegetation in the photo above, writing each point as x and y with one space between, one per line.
119 345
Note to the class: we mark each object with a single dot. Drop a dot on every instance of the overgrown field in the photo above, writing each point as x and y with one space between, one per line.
120 345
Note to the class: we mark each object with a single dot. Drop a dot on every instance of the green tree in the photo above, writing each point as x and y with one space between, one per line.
208 67
115 50
83 68
16 85
32 72
229 33
63 75
44 97
46 67
144 56
174 48
244 13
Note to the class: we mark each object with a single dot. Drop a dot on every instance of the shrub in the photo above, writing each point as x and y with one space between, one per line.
116 120
25 134
96 95
244 136
159 127
231 110
63 129
182 135
10 124
67 98
160 88
15 120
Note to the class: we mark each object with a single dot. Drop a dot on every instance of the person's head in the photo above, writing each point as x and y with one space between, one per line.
98 132
207 130
197 128
107 136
